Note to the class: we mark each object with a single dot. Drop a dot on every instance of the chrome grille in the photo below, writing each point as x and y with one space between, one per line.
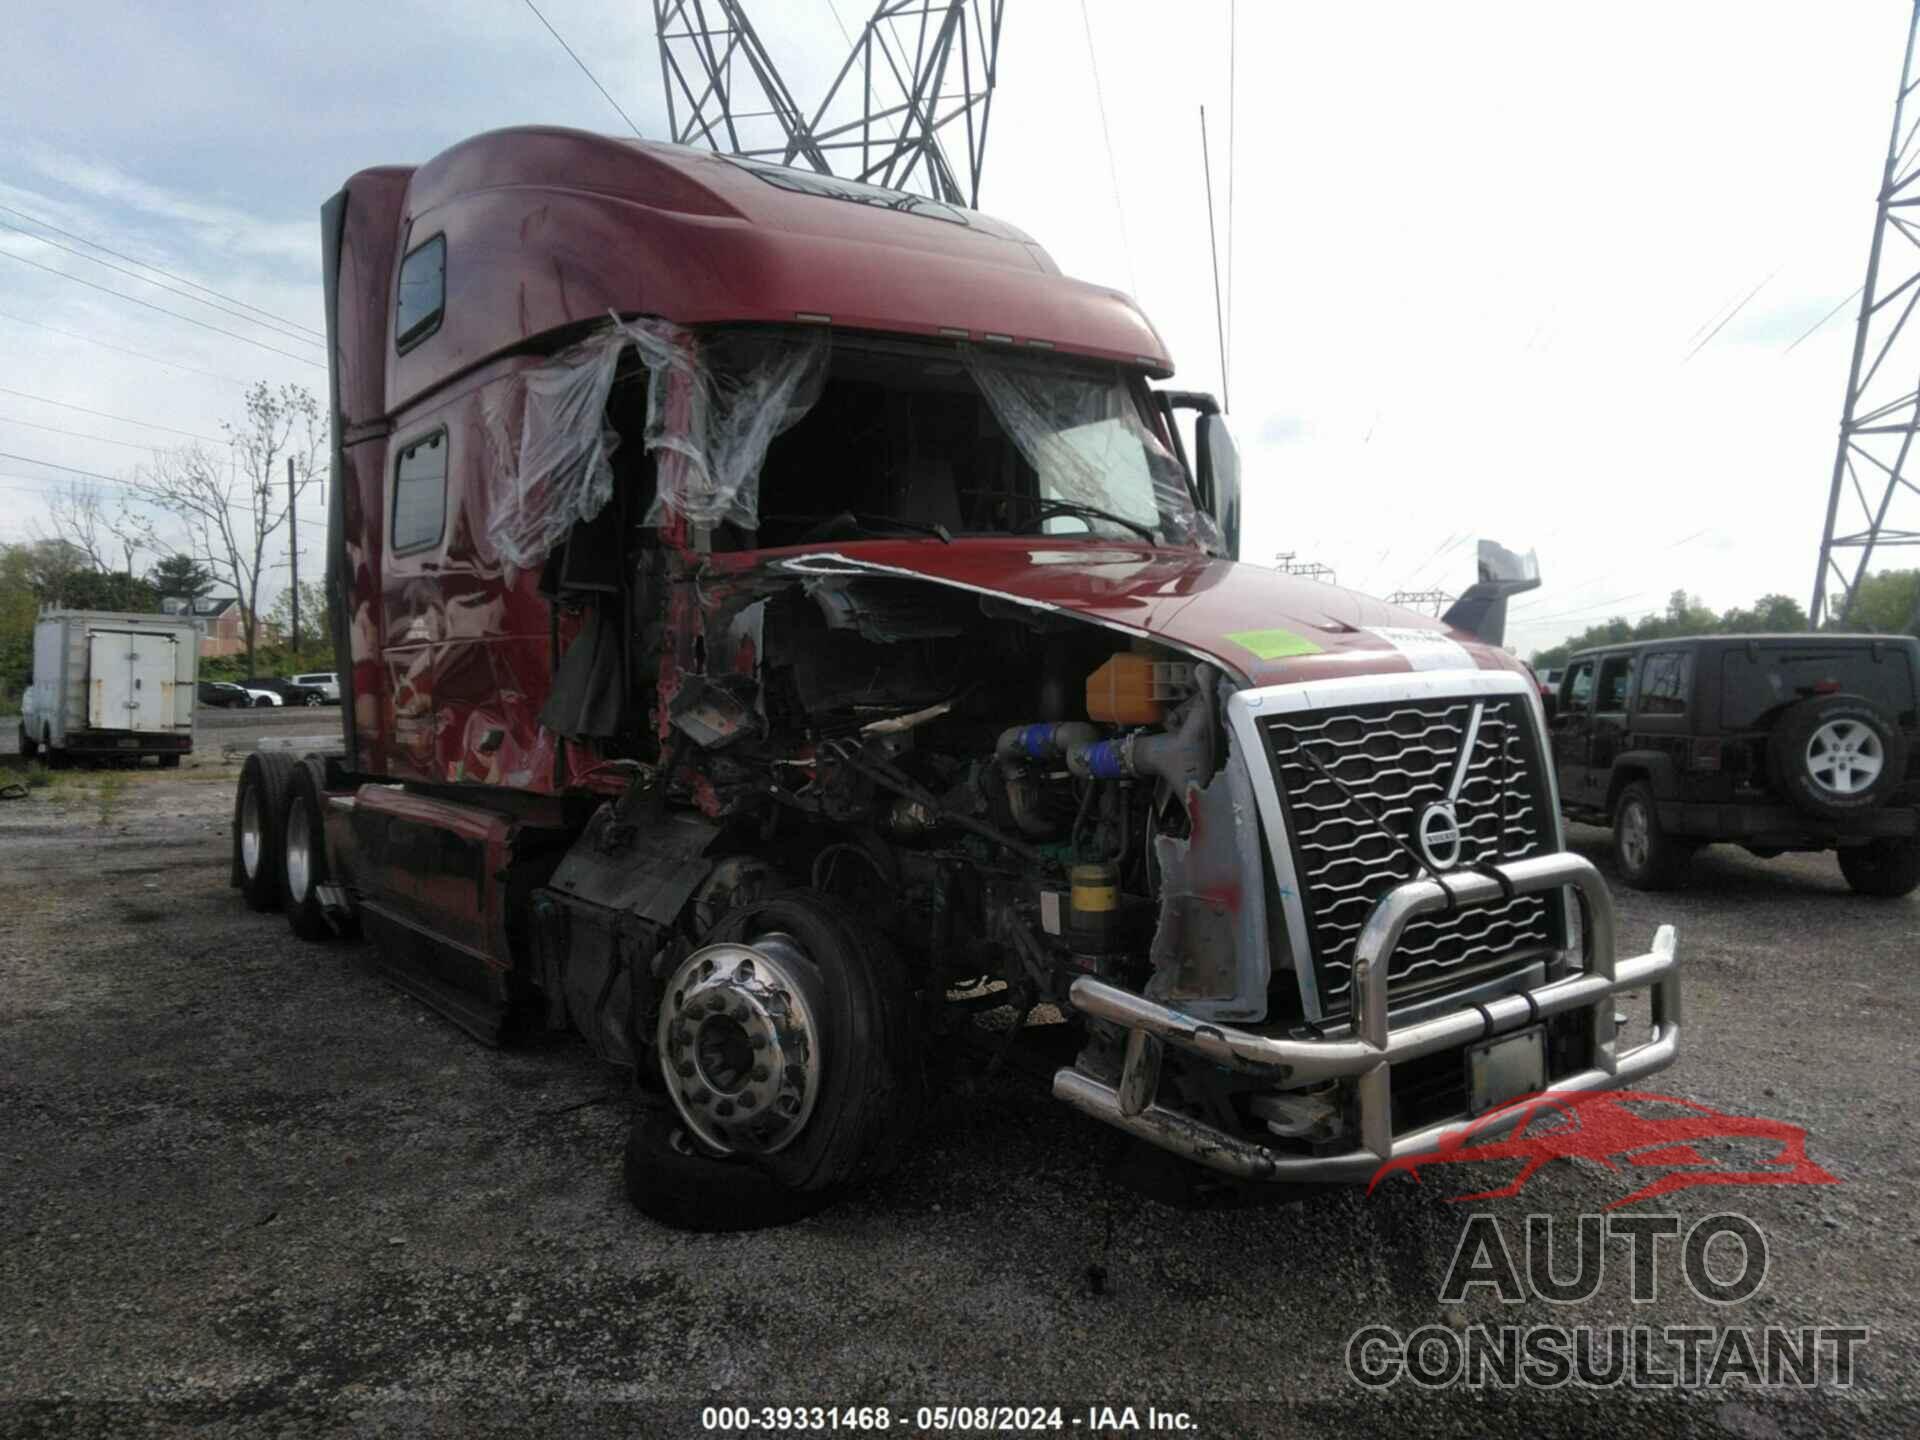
1393 760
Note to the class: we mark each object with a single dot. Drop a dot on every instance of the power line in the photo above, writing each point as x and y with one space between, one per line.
123 419
1729 316
1113 171
42 486
1807 333
583 67
132 300
170 289
109 345
149 265
77 434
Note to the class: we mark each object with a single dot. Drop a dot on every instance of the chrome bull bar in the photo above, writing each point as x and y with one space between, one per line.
1376 1045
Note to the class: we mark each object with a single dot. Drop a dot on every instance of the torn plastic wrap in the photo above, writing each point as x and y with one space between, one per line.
1083 435
551 444
715 402
739 389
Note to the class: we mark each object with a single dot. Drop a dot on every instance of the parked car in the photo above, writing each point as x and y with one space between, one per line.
1550 681
223 695
327 682
1773 742
288 691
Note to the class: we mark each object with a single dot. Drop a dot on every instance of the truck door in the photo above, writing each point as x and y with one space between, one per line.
130 680
152 660
1573 733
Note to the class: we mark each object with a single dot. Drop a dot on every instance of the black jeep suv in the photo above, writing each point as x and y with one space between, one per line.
1773 742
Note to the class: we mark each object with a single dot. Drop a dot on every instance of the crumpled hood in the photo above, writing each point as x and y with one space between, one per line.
1257 624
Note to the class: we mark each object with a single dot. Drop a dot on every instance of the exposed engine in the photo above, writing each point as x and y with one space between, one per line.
990 794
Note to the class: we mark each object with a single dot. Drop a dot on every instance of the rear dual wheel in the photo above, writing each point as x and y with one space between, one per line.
259 817
305 866
790 1059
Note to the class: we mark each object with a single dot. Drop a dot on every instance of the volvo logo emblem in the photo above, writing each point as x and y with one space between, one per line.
1437 832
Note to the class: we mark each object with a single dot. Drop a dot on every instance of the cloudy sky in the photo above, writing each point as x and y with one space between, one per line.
1475 248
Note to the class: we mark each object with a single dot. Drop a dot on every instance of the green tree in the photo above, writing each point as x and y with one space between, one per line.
1888 603
182 576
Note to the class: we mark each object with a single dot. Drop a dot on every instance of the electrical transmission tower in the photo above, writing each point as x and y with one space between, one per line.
1438 599
919 70
1306 569
1874 466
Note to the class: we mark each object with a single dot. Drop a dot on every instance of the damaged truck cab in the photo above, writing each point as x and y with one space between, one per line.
785 634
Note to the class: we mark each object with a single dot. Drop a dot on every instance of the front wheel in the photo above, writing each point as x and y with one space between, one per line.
789 1054
1648 857
1887 869
313 700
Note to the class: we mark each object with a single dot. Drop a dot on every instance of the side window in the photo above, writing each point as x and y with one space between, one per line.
419 494
422 295
1664 682
1614 673
1580 685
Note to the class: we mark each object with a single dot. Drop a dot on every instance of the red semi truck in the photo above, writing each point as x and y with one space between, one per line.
784 625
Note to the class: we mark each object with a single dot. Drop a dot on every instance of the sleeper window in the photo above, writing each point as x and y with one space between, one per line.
420 494
422 293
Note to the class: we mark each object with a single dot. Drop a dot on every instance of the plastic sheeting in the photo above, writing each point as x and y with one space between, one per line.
714 405
1084 438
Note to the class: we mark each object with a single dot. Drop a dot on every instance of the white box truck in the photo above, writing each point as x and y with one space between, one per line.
110 684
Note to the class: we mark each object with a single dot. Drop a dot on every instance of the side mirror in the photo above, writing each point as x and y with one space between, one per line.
1218 460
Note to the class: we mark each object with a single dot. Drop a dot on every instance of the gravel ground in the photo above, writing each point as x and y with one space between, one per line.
247 1188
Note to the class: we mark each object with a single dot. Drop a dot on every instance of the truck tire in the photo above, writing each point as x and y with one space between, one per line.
303 849
789 1050
258 808
1836 755
1884 868
29 747
170 762
1648 858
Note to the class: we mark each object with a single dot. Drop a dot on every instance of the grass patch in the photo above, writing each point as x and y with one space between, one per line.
110 795
34 776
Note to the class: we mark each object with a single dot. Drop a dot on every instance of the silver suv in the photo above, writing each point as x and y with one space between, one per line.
325 681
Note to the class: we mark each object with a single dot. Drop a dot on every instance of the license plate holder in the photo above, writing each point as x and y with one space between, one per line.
1505 1069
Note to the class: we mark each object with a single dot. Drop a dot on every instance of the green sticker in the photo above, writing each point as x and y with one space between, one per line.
1274 644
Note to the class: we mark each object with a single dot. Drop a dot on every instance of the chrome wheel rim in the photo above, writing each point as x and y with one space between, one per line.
1845 757
251 843
739 1047
299 850
1635 839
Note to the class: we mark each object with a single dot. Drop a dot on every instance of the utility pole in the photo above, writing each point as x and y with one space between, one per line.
293 548
1878 421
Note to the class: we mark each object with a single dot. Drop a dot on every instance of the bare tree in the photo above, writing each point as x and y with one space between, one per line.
110 531
233 505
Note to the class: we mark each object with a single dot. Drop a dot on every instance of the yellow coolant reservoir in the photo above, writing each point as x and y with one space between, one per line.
1135 689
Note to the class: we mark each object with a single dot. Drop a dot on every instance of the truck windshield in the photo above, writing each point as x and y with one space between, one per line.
910 439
